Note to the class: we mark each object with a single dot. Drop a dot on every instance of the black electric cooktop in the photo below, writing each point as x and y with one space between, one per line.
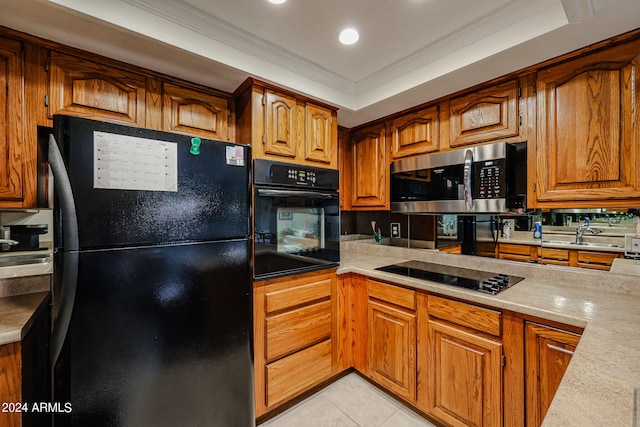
477 280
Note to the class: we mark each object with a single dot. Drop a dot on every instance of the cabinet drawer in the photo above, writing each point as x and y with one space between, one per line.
471 316
555 254
509 248
298 292
296 329
596 260
392 294
294 373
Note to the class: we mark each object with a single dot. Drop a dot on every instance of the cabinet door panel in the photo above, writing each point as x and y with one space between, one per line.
485 115
194 112
283 125
11 137
369 172
84 88
318 137
548 352
416 133
391 349
587 145
465 377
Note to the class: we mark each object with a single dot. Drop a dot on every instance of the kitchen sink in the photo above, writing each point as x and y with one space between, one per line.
13 260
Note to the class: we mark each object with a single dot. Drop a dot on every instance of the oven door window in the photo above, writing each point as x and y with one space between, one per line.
295 231
300 229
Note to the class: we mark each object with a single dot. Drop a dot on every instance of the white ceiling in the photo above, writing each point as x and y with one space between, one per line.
410 51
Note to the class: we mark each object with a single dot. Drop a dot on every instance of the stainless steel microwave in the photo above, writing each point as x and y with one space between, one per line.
489 178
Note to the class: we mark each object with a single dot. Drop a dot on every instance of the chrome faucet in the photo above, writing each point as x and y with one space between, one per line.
582 228
8 242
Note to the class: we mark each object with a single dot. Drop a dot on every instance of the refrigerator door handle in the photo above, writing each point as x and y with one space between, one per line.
65 197
62 313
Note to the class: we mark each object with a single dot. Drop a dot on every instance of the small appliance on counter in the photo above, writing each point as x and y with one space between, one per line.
26 236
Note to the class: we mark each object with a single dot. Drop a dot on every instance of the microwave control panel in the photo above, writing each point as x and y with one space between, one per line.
490 179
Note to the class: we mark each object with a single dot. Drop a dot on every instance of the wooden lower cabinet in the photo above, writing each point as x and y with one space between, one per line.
515 252
548 352
465 370
10 382
294 324
391 349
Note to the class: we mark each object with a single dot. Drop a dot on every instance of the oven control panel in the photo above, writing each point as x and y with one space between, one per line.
301 177
290 175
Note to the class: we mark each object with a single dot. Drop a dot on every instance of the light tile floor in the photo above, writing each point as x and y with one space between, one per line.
348 402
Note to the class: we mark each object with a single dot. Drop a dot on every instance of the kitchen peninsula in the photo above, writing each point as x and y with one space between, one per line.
598 386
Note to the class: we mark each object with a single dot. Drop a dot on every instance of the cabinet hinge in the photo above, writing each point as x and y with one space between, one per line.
534 186
264 101
534 87
519 92
46 100
228 112
519 120
228 135
46 67
264 139
504 360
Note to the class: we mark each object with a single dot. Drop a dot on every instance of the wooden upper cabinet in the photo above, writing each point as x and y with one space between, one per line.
484 115
416 133
548 352
588 139
284 125
80 87
320 138
194 112
370 168
12 159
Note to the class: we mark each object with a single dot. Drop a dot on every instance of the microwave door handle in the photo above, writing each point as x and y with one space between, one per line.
293 193
468 191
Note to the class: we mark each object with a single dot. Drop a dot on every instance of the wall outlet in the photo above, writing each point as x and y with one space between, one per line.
395 229
635 244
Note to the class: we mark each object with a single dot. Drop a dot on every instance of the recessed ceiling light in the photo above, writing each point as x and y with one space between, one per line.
349 36
277 1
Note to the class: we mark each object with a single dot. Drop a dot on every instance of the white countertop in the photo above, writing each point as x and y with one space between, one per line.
597 388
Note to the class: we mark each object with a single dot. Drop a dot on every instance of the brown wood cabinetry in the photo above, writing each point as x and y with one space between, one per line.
391 345
13 161
10 382
516 252
287 127
81 87
293 336
548 352
588 144
485 115
369 169
464 367
195 112
415 133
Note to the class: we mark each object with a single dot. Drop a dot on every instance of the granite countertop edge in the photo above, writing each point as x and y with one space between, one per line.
597 388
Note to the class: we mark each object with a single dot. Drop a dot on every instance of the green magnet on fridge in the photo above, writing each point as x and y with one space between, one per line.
195 146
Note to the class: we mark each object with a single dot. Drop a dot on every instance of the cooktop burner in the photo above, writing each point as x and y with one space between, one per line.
483 281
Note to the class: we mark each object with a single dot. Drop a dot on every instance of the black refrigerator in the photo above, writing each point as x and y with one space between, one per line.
151 311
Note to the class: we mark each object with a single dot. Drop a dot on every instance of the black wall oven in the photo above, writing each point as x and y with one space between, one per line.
296 219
